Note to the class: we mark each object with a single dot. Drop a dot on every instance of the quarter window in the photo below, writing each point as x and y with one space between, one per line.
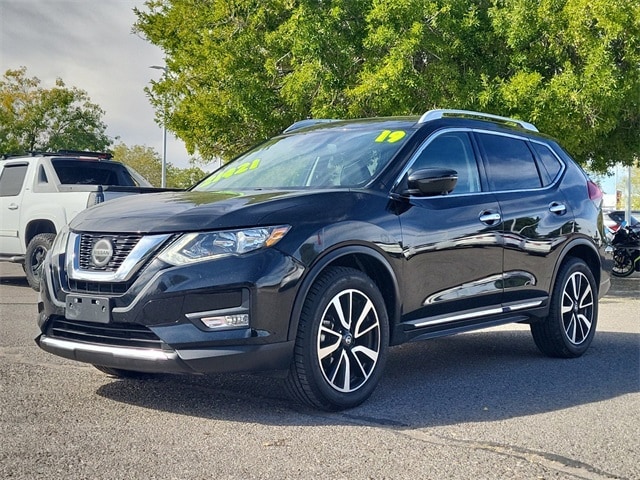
42 175
509 163
452 150
551 166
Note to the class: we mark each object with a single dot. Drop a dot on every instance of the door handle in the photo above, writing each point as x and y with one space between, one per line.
13 206
557 208
490 218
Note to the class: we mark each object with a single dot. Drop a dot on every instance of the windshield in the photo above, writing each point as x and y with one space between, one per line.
333 155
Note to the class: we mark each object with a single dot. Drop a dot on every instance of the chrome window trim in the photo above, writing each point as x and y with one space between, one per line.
437 133
533 154
138 255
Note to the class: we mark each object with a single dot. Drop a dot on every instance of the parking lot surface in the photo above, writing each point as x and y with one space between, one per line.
484 405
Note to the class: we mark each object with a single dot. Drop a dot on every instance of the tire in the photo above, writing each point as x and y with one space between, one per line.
342 341
36 251
571 325
121 373
622 263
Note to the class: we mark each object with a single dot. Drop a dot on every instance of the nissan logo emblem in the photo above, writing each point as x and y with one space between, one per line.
102 252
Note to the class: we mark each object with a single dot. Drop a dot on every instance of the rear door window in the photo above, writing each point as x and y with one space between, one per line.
509 163
12 179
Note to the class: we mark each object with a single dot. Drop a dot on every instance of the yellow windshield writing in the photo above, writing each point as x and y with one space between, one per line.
390 136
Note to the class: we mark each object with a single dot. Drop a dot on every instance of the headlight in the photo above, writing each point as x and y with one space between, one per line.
198 247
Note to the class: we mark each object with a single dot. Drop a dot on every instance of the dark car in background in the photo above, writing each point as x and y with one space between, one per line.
313 253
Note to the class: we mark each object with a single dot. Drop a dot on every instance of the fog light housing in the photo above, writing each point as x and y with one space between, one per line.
217 322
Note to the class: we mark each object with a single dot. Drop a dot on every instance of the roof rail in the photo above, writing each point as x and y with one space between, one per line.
83 153
307 123
440 113
30 153
77 153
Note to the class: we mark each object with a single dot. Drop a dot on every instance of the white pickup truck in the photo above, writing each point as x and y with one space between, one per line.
41 193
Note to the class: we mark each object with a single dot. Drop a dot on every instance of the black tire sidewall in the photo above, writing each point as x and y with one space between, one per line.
629 262
328 286
555 336
44 241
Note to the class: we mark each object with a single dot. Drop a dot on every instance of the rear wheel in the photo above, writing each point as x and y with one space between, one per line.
34 258
342 341
622 263
569 329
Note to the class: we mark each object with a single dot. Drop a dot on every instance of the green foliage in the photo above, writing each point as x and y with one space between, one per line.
184 177
146 161
33 118
243 70
635 187
218 94
585 55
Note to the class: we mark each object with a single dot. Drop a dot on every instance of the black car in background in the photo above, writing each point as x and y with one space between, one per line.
313 253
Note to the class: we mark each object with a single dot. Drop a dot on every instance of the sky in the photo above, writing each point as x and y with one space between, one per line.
89 45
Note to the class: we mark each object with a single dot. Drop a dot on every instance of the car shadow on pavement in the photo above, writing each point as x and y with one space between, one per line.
14 280
477 377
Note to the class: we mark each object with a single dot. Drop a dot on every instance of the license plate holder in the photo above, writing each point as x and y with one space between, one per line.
88 308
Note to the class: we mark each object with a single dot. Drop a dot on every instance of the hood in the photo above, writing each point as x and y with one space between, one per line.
193 211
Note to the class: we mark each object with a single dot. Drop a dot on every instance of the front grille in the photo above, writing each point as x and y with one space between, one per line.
112 334
122 246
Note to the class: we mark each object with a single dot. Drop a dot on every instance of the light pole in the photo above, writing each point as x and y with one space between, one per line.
163 181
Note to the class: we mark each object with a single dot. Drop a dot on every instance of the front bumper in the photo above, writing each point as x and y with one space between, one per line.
154 324
247 358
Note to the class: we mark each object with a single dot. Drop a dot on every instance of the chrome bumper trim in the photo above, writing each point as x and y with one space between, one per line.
56 345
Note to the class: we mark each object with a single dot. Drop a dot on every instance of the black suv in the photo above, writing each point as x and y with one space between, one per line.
314 252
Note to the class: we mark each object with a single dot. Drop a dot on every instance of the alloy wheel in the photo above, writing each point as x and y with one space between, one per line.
577 308
348 340
37 260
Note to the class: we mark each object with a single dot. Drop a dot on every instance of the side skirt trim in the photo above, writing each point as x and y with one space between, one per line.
442 319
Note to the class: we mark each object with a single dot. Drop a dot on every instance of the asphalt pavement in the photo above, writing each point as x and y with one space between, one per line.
483 405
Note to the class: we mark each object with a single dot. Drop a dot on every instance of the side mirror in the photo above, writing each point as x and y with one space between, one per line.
429 182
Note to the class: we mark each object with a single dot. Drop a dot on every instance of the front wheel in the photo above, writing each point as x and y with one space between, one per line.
34 257
342 341
569 328
622 263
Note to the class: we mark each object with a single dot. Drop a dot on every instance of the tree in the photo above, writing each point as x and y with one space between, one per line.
241 71
576 70
635 187
184 177
33 118
146 161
